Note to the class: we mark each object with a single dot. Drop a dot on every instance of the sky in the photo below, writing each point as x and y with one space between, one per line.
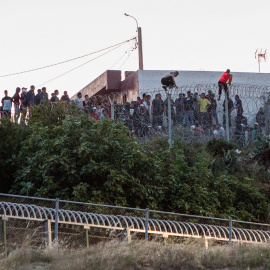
210 35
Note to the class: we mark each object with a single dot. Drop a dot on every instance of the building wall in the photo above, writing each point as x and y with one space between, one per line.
107 82
149 80
130 86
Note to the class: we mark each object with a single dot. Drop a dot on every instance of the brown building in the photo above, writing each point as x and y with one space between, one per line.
111 82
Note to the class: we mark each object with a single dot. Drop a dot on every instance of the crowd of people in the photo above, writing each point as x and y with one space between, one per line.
144 116
24 100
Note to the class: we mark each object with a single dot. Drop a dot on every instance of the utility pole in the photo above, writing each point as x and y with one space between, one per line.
140 52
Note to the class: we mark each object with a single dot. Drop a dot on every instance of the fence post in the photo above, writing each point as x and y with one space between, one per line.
230 231
112 107
227 118
4 232
267 115
128 235
48 232
112 111
87 237
170 117
146 223
56 220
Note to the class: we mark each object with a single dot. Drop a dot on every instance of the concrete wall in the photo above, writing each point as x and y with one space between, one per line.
107 82
130 86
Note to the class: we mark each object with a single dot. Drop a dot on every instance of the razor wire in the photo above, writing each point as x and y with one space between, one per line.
255 99
144 124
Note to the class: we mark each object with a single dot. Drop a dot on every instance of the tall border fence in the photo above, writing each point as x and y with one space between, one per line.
254 99
172 122
40 222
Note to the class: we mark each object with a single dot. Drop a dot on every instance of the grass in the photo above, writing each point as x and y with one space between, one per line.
116 255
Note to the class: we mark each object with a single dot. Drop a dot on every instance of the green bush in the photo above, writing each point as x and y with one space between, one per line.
71 156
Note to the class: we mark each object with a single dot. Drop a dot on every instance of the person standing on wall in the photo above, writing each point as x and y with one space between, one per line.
225 79
168 80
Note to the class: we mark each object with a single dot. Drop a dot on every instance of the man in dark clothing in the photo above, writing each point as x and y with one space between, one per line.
238 106
189 109
65 97
260 118
16 100
23 108
30 96
180 108
157 111
38 97
6 105
213 108
43 95
168 80
230 109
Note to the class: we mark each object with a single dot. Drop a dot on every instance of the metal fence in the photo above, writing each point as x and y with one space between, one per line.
173 124
39 222
170 123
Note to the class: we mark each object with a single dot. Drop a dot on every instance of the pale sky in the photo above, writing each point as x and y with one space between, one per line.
210 35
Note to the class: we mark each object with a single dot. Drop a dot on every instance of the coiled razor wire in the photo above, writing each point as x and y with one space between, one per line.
135 224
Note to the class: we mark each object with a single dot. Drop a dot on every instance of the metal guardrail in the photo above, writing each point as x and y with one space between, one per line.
131 224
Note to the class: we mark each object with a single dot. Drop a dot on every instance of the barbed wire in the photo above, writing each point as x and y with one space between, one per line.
145 124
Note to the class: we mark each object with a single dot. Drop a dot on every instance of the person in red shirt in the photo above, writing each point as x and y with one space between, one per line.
222 83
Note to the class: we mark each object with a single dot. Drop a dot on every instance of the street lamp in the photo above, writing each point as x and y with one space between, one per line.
139 30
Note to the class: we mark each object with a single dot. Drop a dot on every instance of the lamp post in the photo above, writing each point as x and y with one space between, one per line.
140 53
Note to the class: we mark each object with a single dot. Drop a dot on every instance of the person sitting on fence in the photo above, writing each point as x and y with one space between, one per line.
168 80
222 83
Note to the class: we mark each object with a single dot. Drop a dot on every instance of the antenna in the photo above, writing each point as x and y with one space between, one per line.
260 55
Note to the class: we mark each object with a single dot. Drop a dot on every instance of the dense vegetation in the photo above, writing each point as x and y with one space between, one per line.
70 156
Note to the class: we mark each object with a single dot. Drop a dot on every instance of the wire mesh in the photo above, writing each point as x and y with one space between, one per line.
148 117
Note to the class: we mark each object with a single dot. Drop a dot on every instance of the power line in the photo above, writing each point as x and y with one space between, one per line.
80 65
66 61
126 59
129 51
